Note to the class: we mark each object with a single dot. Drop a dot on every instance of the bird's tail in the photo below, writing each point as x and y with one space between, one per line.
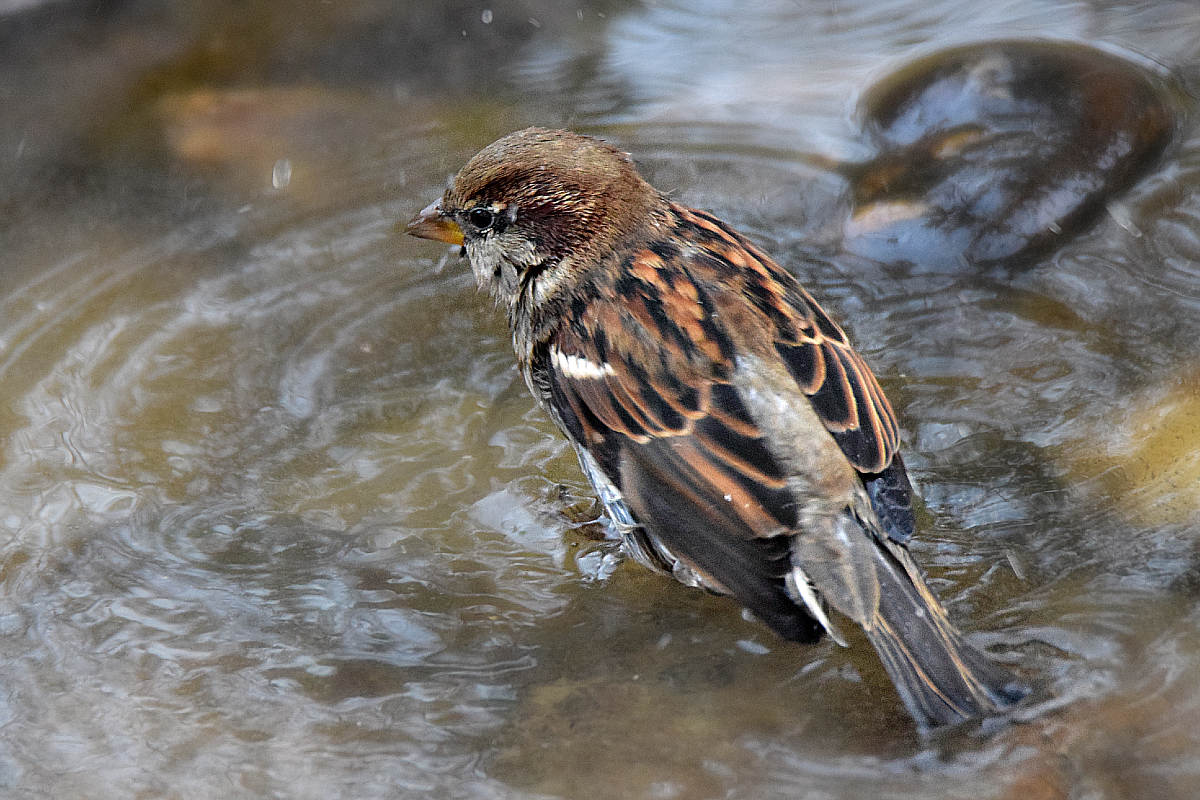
940 677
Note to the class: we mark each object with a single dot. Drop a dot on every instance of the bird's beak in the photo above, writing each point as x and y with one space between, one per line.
431 223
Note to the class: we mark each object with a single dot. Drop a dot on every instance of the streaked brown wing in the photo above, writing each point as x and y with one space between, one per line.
668 485
686 455
851 404
642 379
816 351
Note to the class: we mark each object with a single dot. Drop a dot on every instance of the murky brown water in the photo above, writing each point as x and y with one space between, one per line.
277 518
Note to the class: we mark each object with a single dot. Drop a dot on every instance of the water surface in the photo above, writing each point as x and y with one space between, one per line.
278 518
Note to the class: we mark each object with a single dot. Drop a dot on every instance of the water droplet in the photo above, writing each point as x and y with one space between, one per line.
281 173
754 648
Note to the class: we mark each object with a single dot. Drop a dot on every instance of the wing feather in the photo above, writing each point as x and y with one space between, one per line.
816 351
642 378
706 486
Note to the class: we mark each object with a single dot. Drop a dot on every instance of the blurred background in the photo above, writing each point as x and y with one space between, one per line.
278 518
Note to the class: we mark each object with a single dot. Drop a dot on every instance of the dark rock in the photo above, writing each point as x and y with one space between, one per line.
995 154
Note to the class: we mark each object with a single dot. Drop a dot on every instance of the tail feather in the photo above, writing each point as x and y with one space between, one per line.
940 677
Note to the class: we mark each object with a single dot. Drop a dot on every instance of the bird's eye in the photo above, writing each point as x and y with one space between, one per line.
481 217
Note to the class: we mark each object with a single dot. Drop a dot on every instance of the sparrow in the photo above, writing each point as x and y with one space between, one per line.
736 439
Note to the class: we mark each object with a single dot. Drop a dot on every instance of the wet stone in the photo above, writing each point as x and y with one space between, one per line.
997 154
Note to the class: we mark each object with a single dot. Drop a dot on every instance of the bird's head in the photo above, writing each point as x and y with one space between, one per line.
536 209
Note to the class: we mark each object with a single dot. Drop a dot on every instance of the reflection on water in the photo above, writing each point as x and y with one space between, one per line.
277 517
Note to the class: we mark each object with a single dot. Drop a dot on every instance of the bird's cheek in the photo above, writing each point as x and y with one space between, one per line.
492 271
506 287
487 275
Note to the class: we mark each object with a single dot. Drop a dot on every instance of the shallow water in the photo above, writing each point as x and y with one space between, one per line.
278 519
